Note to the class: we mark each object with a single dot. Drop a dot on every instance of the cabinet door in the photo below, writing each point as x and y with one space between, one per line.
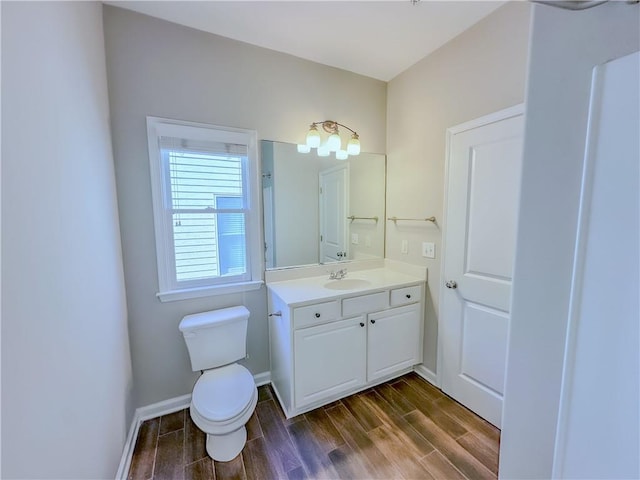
329 359
392 341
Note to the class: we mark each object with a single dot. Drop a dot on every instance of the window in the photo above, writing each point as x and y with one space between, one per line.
205 204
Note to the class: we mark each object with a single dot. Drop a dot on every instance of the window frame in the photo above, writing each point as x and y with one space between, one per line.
169 289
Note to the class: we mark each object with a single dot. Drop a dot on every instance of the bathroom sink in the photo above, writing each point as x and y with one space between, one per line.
347 284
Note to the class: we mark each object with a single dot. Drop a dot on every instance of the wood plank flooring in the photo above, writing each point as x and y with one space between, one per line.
405 428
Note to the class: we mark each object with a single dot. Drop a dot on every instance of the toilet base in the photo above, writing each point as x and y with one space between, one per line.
224 448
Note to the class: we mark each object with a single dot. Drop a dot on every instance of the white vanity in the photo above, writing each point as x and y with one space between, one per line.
331 338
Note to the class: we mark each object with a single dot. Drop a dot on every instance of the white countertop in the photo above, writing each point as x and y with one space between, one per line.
312 289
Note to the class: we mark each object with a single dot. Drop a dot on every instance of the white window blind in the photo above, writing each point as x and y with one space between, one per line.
206 208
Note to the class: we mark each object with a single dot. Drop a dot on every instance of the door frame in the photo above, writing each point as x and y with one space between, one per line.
494 117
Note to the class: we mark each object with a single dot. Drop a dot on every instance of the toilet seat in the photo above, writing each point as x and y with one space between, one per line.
223 394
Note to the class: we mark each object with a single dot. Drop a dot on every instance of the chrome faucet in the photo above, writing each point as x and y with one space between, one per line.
339 275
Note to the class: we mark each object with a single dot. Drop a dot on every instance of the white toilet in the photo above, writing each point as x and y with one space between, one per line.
225 395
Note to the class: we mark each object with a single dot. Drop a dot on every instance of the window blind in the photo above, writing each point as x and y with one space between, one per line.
197 179
207 201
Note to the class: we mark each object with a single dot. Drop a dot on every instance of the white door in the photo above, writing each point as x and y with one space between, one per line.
333 213
483 189
603 334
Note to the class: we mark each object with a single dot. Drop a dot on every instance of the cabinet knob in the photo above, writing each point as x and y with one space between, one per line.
451 284
373 321
408 296
362 324
317 315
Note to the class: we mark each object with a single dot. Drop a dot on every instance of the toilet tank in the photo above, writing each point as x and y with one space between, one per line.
216 338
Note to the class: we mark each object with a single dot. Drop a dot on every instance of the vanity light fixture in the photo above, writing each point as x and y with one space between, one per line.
333 143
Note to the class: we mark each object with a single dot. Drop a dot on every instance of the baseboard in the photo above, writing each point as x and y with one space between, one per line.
157 410
263 378
163 408
427 374
127 451
145 413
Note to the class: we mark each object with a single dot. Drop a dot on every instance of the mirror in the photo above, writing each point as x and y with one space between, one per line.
319 209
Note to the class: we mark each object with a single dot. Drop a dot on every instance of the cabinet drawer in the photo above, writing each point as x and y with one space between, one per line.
364 304
406 295
315 314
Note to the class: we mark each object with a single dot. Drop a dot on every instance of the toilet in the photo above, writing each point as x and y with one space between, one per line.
225 395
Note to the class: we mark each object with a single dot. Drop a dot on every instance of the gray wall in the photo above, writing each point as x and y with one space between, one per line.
479 72
565 46
66 371
166 70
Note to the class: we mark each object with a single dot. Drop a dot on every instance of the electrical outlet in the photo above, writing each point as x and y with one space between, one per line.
354 239
404 247
429 249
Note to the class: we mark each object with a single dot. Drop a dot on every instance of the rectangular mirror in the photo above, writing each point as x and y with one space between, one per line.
319 209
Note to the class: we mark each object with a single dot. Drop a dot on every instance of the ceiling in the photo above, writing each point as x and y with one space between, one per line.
379 39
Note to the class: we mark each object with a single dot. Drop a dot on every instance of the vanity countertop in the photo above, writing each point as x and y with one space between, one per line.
311 289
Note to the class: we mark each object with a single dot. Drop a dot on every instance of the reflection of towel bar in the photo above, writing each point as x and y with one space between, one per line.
430 219
353 217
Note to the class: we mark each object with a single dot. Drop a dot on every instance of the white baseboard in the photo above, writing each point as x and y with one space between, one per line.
163 408
127 451
145 413
157 410
427 374
263 378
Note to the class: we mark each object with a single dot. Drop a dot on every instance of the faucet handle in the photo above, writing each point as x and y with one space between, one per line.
338 274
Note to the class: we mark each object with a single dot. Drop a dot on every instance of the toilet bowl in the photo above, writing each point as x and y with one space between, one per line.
225 395
222 402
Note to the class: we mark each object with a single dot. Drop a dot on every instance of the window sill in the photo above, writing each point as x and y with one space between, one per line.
174 295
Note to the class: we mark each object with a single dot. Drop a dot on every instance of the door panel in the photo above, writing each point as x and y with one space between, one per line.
491 208
483 182
484 344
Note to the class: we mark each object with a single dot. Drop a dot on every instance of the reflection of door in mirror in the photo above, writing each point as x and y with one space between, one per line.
292 210
334 198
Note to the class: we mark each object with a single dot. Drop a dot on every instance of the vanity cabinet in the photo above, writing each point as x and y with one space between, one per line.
331 348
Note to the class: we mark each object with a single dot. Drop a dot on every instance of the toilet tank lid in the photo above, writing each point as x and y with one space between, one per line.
213 317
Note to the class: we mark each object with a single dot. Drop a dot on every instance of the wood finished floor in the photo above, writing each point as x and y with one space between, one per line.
405 428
